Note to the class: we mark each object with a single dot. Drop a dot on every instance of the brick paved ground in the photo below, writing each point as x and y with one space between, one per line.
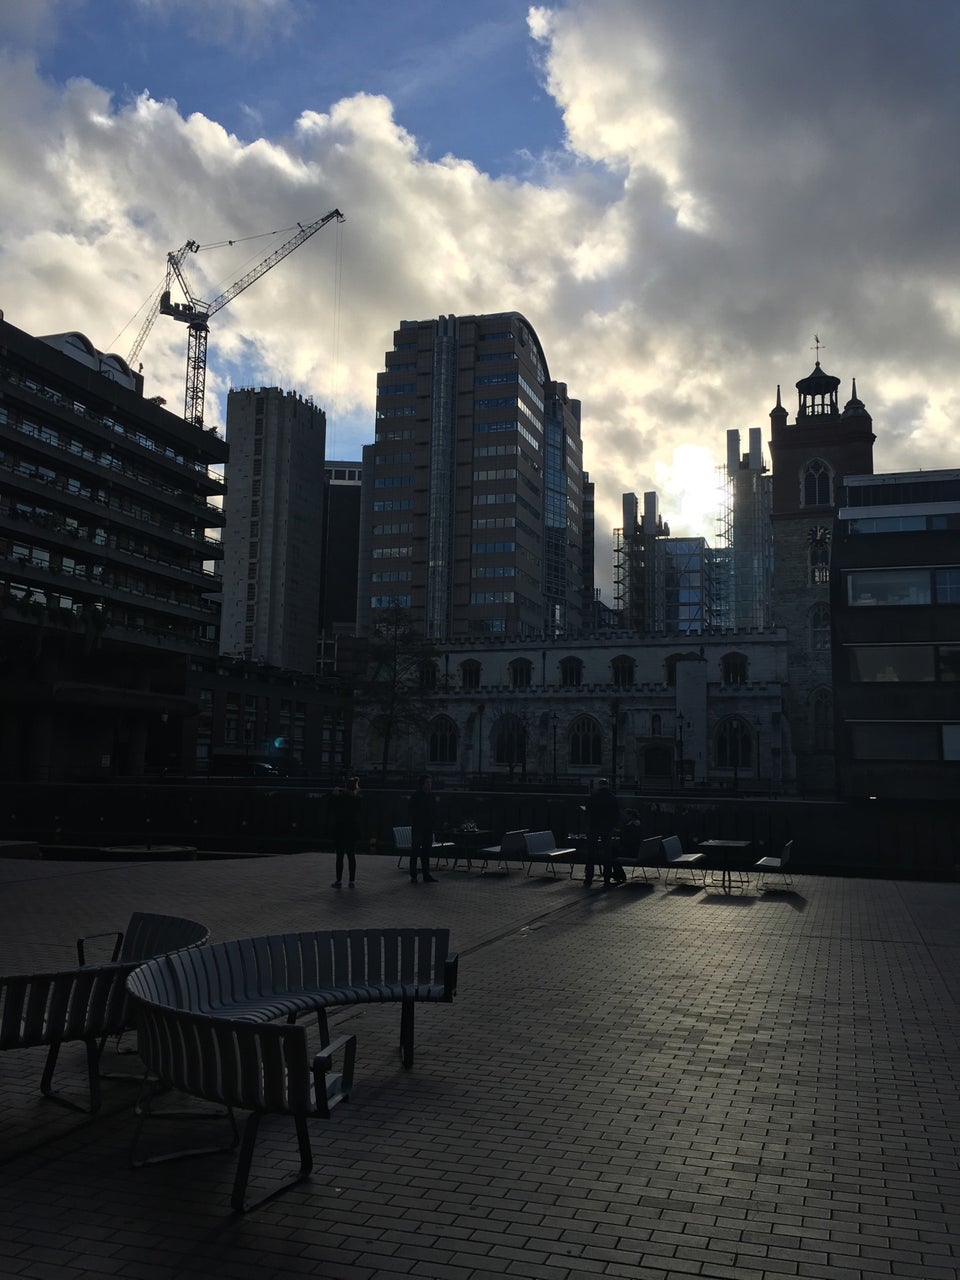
645 1083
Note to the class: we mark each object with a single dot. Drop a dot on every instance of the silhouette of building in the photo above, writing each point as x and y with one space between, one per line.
895 599
106 563
663 585
810 458
473 489
273 542
745 535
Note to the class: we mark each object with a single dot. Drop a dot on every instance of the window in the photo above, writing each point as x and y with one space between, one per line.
571 673
509 741
585 743
442 741
817 484
818 557
733 744
390 602
470 674
898 741
428 675
888 587
520 673
882 663
819 627
946 584
733 667
670 669
656 726
623 669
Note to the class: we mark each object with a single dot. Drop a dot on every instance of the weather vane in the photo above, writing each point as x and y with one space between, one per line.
817 345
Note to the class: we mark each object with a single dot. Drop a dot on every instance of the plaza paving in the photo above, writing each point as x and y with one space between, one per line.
646 1082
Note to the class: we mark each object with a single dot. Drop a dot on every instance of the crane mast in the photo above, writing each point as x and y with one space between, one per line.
195 313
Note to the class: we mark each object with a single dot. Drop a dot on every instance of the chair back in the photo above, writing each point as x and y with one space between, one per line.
785 854
402 837
649 850
672 848
513 842
149 935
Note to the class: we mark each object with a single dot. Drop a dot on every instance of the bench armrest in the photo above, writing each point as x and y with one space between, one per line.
323 1065
450 967
116 934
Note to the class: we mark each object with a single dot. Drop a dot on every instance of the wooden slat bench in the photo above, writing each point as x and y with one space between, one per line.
85 1004
200 1011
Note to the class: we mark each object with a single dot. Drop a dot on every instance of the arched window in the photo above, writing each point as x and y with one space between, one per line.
656 725
821 719
670 669
623 669
520 673
470 674
817 485
733 667
428 675
442 741
819 627
571 673
733 744
586 743
509 741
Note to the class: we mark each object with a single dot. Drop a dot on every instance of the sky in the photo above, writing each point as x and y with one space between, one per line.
681 196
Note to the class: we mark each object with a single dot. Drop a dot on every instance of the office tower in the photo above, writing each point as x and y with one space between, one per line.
895 606
746 534
810 459
663 585
105 563
472 490
274 536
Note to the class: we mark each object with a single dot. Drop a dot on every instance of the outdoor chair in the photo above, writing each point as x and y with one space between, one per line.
676 861
645 858
776 867
403 840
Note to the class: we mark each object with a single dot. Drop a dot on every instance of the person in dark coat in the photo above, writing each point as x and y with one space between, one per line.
603 815
423 819
345 807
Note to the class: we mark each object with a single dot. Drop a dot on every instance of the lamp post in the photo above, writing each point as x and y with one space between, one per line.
554 746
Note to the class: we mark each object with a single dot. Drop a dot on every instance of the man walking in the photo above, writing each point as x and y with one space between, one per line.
603 815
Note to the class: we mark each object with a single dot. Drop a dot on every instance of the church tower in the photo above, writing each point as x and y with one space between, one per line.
810 459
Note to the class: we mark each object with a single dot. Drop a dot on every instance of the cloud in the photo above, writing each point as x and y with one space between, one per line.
736 178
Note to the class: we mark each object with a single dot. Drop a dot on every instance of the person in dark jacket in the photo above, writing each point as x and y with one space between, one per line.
345 806
603 815
423 819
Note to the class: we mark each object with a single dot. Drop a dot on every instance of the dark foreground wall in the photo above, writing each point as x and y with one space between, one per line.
903 839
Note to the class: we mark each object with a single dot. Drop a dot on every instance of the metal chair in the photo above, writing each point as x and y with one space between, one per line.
772 865
677 861
403 840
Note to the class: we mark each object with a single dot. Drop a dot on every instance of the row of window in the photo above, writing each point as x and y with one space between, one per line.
905 663
733 743
733 668
900 740
896 587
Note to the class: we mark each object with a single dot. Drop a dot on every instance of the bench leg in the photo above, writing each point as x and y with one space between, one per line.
406 1033
245 1159
93 1074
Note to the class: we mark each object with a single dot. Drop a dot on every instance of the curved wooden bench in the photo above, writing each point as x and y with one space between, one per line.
206 1017
86 1004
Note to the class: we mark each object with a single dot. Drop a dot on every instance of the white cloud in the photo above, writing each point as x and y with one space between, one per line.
739 177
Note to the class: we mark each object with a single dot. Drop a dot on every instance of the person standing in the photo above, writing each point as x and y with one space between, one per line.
345 804
603 815
423 819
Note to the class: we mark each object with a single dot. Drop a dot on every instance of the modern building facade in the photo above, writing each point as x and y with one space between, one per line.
274 536
664 585
473 489
107 563
895 589
746 535
810 458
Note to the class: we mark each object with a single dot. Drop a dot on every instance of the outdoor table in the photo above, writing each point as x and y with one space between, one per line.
727 849
467 844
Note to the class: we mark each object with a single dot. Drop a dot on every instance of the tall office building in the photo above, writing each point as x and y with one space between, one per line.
273 540
472 491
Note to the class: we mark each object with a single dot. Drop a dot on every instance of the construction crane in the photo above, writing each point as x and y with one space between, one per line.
195 313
